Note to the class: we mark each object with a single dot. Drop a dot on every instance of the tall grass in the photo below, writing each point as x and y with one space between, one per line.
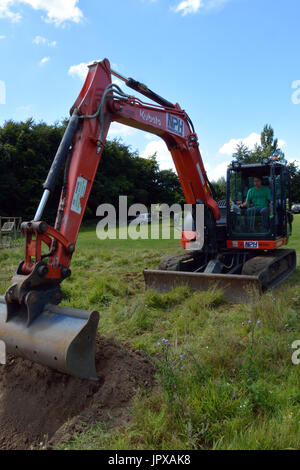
225 378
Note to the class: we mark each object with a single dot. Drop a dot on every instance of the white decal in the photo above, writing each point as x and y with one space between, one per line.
175 125
200 174
78 194
151 119
251 245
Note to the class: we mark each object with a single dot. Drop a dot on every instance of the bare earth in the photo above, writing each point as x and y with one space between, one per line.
38 404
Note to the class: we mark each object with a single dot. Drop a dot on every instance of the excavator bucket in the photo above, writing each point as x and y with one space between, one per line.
59 337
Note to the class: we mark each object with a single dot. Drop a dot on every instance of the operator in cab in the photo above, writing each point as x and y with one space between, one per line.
257 203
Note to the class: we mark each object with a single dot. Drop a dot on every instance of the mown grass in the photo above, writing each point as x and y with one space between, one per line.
225 375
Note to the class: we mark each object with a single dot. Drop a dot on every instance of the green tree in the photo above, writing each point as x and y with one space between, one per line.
295 182
27 150
268 145
267 148
242 154
220 188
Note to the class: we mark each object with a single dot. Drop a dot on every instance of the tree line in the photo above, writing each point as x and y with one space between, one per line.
26 153
28 148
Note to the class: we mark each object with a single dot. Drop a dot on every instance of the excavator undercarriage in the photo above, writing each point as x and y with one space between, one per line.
241 276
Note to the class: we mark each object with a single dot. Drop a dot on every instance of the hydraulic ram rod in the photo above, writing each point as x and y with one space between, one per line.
143 89
58 161
42 206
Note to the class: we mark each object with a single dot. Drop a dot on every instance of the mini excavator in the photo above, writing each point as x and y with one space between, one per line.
242 249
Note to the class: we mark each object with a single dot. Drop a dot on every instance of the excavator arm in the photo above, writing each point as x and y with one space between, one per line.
99 104
31 323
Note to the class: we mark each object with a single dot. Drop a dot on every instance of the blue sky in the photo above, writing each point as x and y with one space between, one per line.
233 65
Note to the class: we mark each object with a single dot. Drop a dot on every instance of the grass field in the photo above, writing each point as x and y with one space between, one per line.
225 378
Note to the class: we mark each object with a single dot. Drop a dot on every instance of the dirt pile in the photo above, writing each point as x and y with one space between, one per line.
36 401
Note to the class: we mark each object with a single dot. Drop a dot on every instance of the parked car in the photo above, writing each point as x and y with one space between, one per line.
143 219
296 209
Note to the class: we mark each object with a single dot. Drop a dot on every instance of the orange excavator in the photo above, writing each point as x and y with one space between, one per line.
236 255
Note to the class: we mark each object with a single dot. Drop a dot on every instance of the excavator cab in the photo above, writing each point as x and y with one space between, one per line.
267 227
246 257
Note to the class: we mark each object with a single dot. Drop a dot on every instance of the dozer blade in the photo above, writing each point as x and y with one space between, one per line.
60 338
236 288
259 274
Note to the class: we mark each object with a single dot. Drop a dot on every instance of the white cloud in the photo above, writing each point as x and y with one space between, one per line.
165 160
163 156
214 173
214 4
43 41
2 37
57 11
188 6
44 61
251 141
40 40
118 83
120 130
25 111
294 160
6 13
25 108
79 70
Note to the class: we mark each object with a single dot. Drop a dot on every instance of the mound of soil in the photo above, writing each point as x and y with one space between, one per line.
38 404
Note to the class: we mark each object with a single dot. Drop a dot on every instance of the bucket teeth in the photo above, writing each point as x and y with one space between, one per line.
59 337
